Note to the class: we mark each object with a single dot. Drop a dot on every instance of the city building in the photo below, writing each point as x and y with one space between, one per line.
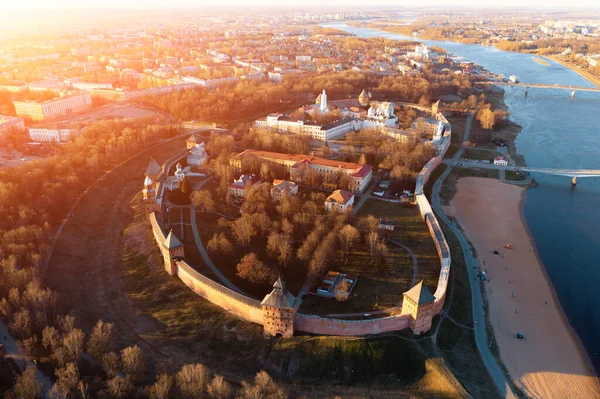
240 187
360 175
11 122
381 114
339 200
43 110
318 131
55 132
283 187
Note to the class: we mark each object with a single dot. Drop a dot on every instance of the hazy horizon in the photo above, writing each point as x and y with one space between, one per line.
296 4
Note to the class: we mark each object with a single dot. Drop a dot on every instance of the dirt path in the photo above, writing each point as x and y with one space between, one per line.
85 266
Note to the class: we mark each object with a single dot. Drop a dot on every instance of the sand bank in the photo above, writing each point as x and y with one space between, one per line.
549 362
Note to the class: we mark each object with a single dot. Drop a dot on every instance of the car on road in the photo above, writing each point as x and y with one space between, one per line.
520 336
379 193
367 315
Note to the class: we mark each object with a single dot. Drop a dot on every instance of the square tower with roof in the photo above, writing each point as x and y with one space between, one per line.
418 303
279 311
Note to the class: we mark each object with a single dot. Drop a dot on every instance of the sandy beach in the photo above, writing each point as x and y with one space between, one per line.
549 362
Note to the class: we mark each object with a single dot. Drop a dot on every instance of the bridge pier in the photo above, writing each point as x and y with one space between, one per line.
526 91
574 180
573 94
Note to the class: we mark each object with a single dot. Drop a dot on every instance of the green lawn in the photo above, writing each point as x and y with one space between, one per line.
458 133
514 176
480 154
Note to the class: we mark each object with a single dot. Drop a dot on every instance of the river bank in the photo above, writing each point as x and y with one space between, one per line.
584 74
549 362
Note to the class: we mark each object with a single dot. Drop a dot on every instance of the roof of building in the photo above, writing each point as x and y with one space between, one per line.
357 169
244 180
420 294
172 241
194 138
283 184
341 197
148 181
153 167
280 297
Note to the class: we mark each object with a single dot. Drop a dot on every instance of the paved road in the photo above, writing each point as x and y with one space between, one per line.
13 352
481 338
414 259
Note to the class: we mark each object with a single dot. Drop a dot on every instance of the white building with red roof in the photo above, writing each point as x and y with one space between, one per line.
339 200
500 161
360 175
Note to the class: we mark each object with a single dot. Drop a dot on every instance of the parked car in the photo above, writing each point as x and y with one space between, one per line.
520 336
379 193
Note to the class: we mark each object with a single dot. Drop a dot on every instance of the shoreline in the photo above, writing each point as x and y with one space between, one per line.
595 81
478 204
575 336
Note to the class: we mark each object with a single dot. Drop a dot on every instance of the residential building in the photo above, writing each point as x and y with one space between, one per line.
11 122
55 132
42 110
283 187
339 200
240 187
360 175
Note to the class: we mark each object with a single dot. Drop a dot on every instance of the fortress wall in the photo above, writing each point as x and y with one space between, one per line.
159 234
240 305
328 326
429 217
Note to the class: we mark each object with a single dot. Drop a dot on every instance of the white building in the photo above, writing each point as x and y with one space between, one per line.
86 86
11 122
57 133
500 161
41 110
339 200
381 114
198 155
240 187
283 187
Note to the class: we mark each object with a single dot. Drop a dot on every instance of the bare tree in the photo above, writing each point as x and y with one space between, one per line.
219 388
348 237
27 385
66 323
134 362
263 388
67 379
100 341
254 270
118 387
341 293
22 323
74 343
192 380
111 363
279 246
219 244
244 230
203 200
162 387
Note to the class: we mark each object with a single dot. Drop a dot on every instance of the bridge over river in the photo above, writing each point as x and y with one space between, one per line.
572 173
541 86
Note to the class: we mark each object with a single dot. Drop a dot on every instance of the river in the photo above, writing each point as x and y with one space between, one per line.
557 132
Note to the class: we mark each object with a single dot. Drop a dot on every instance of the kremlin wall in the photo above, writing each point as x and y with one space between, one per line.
278 311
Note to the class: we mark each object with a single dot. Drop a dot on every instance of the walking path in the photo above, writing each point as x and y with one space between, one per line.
203 252
481 338
414 258
13 352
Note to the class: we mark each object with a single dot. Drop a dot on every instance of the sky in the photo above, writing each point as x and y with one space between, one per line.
57 4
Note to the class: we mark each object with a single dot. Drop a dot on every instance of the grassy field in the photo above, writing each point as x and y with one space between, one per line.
514 176
458 133
411 231
480 154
